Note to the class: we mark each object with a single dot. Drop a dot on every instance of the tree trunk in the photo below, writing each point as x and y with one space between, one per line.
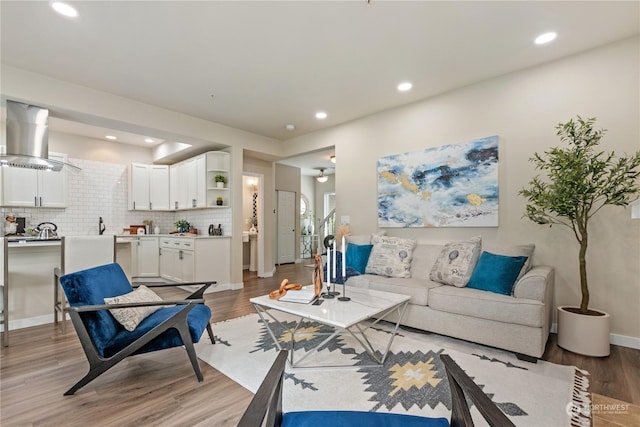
584 304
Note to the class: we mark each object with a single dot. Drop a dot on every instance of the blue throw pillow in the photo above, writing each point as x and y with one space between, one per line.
357 256
496 273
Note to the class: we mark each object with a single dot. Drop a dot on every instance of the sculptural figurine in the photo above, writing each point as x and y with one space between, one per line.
284 287
318 275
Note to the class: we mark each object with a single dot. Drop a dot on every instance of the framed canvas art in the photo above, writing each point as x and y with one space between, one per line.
447 186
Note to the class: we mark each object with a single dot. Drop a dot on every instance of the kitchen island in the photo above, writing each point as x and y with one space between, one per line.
27 275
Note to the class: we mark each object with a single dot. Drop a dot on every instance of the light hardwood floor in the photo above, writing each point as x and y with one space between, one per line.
161 389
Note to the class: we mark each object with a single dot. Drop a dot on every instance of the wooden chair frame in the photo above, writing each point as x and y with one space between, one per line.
98 364
265 408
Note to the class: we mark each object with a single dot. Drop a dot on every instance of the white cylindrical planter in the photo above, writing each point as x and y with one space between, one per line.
219 184
583 334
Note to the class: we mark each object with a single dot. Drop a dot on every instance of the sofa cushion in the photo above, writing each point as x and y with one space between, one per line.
512 250
415 287
390 256
487 305
357 256
456 262
424 255
496 273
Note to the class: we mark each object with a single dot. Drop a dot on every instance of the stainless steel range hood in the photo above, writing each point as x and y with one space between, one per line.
28 139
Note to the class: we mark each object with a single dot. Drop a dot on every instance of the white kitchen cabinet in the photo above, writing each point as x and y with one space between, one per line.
189 259
192 182
34 188
145 261
148 187
159 188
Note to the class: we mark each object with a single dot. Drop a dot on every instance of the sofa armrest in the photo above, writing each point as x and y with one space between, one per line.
536 284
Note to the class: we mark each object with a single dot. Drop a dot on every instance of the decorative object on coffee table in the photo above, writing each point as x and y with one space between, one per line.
580 181
344 296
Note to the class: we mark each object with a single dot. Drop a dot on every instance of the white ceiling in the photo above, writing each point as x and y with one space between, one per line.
269 64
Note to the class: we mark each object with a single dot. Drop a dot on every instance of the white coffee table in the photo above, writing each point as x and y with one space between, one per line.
346 317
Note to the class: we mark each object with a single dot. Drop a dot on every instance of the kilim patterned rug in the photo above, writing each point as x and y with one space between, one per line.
412 380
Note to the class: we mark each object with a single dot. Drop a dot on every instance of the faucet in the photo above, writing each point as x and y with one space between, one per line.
101 226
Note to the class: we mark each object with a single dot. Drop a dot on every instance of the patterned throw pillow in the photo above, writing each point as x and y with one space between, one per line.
131 317
456 262
390 256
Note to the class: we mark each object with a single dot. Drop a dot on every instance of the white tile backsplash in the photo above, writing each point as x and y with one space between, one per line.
100 190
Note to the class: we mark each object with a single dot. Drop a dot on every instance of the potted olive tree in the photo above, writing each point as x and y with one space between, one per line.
580 181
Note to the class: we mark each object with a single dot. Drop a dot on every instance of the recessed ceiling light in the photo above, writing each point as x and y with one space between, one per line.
321 115
405 86
545 38
64 9
290 127
111 137
149 140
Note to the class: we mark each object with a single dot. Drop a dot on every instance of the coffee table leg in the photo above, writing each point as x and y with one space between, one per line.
260 311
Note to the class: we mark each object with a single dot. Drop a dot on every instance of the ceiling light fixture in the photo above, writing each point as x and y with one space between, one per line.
64 9
333 159
111 137
546 38
290 127
322 177
321 115
405 86
149 140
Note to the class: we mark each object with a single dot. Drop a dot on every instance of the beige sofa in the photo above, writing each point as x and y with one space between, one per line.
518 323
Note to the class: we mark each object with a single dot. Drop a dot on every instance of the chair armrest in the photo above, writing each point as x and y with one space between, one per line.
536 284
87 308
461 385
267 401
196 295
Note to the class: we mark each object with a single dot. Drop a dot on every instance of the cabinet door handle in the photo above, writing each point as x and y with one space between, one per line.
134 205
150 206
40 200
159 251
35 200
180 254
193 203
176 205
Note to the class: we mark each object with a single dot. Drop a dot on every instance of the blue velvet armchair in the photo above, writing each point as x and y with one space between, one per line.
106 342
265 408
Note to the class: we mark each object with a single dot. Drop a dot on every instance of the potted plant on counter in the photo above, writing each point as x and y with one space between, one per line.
221 180
183 226
580 181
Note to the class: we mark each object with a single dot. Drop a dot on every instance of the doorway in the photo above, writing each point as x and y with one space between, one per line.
286 218
253 218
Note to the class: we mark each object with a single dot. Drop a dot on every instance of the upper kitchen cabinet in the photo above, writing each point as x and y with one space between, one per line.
187 189
34 188
218 165
193 183
148 187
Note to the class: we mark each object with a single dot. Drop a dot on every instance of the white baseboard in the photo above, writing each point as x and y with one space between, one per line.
28 322
615 339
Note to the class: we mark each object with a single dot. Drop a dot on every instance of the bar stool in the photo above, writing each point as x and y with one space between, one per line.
79 253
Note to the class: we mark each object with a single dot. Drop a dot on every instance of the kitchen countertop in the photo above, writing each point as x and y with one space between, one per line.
193 236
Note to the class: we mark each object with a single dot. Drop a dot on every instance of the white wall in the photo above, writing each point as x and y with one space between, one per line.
523 109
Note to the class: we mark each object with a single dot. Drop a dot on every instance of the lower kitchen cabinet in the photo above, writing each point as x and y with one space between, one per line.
188 259
144 256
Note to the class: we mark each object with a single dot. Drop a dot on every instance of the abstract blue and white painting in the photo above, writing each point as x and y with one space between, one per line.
447 186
